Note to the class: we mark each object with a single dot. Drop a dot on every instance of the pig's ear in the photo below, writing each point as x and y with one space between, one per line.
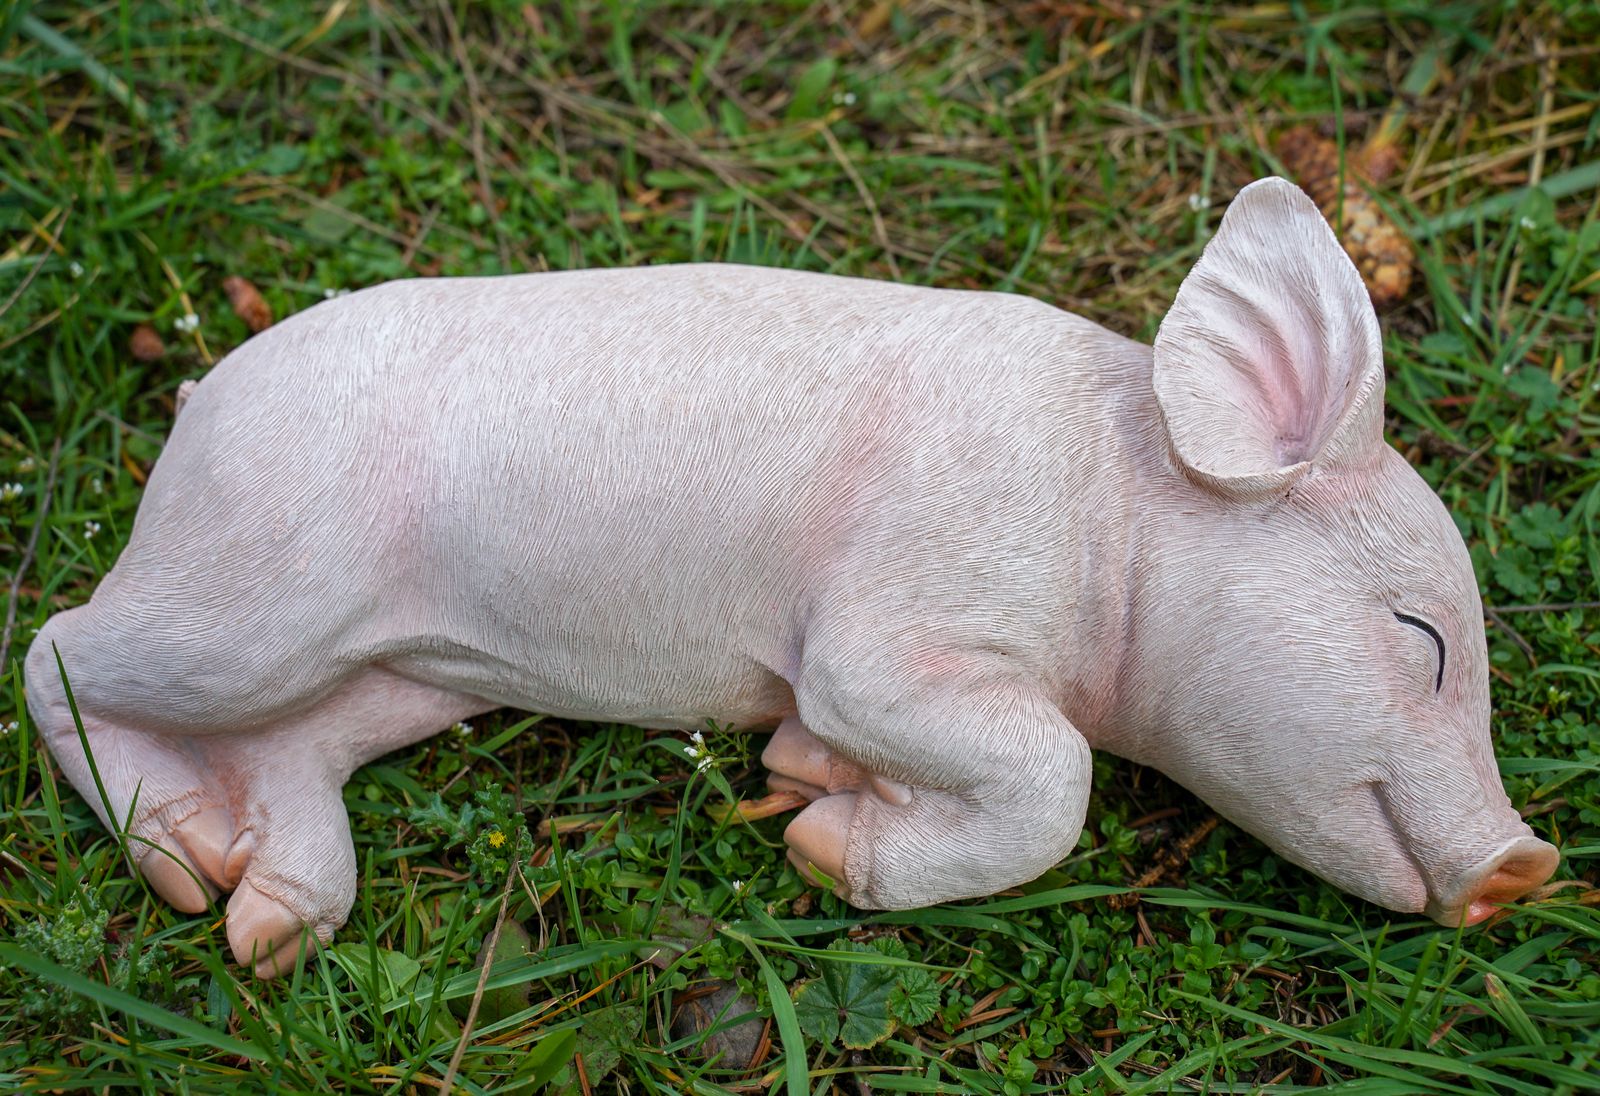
1270 360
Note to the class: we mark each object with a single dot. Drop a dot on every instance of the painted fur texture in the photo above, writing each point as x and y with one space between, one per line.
947 541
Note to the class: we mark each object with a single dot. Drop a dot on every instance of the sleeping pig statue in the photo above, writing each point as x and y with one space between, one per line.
946 541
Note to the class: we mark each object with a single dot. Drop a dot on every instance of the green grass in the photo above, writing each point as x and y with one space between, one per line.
147 150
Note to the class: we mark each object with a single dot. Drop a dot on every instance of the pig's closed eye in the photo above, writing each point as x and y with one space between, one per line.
1433 634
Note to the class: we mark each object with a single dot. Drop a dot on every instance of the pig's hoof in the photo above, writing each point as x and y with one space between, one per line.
818 838
268 936
176 877
801 762
188 866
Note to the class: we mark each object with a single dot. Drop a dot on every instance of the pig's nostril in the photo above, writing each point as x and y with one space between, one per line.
1515 875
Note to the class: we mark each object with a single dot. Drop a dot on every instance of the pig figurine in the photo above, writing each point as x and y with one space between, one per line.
947 541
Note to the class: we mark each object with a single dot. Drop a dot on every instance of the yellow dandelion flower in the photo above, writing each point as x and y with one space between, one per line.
496 839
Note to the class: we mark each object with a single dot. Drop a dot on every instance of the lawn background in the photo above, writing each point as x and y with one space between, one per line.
1076 152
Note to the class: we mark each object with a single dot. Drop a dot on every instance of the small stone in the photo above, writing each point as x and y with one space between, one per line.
734 1046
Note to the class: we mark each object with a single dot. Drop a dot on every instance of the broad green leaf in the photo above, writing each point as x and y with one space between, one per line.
849 1004
914 998
503 1000
327 224
605 1034
545 1059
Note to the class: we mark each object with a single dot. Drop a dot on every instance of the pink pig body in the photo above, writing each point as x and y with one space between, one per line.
948 540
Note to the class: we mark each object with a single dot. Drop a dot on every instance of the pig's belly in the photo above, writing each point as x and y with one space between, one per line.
597 617
733 691
599 621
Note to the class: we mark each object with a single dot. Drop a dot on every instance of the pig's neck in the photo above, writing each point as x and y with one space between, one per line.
1133 721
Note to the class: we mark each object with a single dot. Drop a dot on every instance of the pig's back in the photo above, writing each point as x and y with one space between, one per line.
599 493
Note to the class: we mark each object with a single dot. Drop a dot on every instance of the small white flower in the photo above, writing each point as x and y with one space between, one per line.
186 322
90 528
462 728
844 98
698 752
8 728
97 485
75 268
9 491
1528 224
737 885
329 293
1198 201
26 464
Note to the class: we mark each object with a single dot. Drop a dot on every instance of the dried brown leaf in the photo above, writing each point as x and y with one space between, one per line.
875 19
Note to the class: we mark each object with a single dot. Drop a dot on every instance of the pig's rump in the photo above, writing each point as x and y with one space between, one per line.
605 494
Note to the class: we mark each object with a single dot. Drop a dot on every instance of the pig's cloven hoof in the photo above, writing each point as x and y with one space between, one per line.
202 858
801 762
266 935
188 867
233 793
174 875
817 839
819 836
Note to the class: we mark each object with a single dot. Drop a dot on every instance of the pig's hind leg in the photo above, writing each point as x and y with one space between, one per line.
285 786
217 788
931 778
144 782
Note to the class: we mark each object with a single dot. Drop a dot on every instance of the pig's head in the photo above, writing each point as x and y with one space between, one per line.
1308 650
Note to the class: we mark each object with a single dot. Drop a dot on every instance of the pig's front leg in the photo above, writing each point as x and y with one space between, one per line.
933 776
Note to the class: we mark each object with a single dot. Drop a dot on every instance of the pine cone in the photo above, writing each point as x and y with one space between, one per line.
145 345
248 304
1381 253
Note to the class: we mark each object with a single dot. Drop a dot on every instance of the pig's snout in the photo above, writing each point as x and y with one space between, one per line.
1469 853
1514 871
